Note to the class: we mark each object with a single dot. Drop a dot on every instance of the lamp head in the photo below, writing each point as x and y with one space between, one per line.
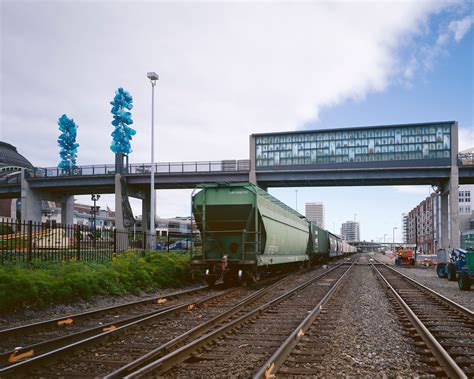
153 76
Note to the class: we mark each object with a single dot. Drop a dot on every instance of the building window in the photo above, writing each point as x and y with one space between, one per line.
372 145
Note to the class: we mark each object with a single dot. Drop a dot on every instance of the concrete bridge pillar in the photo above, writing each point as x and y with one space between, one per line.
119 220
444 243
455 238
253 162
67 210
146 214
450 237
30 201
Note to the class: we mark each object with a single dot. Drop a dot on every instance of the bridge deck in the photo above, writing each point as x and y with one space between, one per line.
176 175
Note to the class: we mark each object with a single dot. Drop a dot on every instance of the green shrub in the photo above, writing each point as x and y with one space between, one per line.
43 283
5 229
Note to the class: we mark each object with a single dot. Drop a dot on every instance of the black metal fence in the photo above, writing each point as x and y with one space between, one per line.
29 241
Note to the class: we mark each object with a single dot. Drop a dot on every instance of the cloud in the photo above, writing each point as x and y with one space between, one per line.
460 27
226 70
426 55
414 190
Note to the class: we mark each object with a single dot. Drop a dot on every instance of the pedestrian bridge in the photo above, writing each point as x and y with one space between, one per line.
409 154
176 175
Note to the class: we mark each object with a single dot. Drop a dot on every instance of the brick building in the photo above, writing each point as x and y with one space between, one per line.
421 225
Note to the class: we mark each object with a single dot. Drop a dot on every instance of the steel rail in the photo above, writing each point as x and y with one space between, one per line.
73 318
271 366
192 333
40 348
168 361
448 364
460 308
22 367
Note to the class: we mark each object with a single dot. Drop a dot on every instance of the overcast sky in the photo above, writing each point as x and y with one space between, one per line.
231 69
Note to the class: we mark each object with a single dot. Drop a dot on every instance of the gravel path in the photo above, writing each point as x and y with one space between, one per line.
359 335
429 278
29 315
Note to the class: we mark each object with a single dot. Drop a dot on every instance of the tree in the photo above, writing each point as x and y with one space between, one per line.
122 134
67 142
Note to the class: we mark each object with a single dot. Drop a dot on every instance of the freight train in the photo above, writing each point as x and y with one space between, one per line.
246 232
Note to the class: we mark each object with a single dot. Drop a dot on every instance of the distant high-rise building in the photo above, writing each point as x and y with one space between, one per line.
315 212
350 231
405 227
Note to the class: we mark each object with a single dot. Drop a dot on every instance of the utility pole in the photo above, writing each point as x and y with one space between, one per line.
393 238
296 192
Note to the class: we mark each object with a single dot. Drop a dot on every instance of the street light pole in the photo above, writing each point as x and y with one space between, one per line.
153 76
296 192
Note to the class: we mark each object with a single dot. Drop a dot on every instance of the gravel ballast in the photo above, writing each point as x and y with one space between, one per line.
428 277
364 337
32 314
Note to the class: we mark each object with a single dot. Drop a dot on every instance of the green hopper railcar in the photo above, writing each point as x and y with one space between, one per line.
246 231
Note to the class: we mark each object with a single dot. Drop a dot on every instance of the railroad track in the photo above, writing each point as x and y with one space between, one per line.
50 334
56 341
237 347
104 353
446 327
441 331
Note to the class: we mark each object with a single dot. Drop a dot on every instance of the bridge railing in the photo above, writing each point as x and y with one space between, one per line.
145 168
10 178
466 159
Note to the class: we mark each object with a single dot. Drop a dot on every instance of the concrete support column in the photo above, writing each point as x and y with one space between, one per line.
455 238
253 162
67 210
444 242
119 217
121 234
30 201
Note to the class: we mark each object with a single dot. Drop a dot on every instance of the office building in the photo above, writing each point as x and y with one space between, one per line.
314 212
404 228
350 231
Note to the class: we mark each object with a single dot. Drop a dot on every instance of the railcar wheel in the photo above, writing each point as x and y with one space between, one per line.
441 270
252 277
229 278
451 272
211 280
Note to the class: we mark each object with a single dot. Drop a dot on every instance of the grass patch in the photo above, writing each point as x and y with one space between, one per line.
44 283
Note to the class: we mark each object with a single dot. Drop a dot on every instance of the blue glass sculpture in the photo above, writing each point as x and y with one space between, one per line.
123 133
67 142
